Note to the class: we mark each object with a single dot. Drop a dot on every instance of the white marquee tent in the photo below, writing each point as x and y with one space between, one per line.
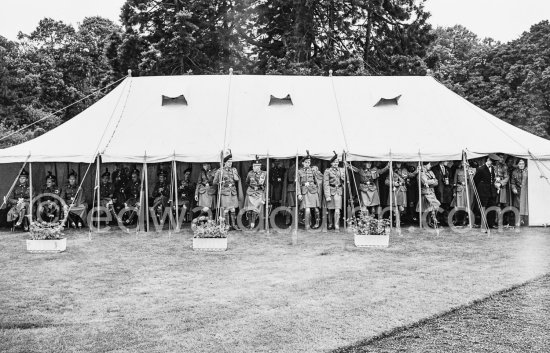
430 122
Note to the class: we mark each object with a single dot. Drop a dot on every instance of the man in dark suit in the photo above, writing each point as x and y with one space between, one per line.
444 189
484 180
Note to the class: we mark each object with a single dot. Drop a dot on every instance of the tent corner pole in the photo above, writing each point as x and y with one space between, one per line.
295 220
175 178
419 191
146 213
391 191
267 196
30 193
98 174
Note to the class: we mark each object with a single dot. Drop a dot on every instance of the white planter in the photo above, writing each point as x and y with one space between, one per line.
210 244
368 240
54 245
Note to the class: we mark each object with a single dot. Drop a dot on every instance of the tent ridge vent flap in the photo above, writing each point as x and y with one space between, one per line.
388 101
280 101
178 100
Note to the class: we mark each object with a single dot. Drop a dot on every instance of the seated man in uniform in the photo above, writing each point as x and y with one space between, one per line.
19 201
186 190
119 181
107 195
133 201
161 195
49 208
74 203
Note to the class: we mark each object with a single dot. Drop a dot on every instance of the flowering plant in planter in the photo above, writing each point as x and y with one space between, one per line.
203 227
368 225
46 231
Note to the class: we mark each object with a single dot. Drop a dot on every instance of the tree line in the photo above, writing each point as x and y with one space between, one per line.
57 64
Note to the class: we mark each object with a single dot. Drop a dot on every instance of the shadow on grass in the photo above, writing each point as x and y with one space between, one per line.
515 319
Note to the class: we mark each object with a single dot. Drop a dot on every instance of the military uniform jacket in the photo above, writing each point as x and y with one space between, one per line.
428 182
133 190
307 181
50 190
185 190
367 179
107 190
255 181
119 191
400 178
206 182
332 182
161 189
21 191
70 193
227 178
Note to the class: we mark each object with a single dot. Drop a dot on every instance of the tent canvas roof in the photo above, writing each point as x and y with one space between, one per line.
327 114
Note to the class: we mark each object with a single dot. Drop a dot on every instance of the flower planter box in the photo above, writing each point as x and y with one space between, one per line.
47 246
210 244
371 240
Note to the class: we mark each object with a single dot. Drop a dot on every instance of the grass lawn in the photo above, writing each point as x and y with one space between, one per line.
513 320
150 292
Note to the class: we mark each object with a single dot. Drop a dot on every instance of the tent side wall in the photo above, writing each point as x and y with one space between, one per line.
539 193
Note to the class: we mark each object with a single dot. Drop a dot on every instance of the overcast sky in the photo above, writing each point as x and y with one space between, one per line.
503 20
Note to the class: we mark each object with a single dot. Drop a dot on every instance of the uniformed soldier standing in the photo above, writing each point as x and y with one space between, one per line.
133 197
429 200
333 179
520 192
205 192
255 193
368 186
276 181
49 208
186 190
119 183
161 194
399 192
75 201
412 169
230 190
462 184
289 191
309 192
20 201
502 184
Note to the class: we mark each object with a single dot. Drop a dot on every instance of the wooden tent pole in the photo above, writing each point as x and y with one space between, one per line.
295 232
175 178
146 213
98 175
466 181
30 193
267 196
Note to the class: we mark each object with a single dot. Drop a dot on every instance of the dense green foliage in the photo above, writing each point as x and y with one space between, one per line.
57 65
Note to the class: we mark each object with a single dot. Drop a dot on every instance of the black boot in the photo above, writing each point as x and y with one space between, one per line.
317 218
234 221
329 219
